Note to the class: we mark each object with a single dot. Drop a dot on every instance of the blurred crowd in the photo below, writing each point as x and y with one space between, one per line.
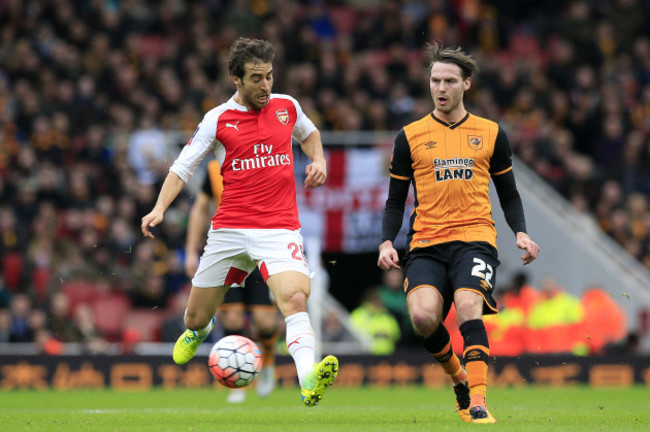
550 320
98 96
544 320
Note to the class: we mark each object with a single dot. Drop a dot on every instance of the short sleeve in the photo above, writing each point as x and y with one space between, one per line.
202 142
304 126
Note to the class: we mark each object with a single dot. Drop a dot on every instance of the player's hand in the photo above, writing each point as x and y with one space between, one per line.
316 174
388 257
191 263
524 242
151 220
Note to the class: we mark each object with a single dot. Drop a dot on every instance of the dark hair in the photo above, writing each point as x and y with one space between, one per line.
457 56
245 50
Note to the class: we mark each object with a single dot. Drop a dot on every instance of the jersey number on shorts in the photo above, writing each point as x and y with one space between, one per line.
298 253
483 270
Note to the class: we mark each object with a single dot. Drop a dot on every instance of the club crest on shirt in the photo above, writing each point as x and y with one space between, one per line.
283 116
475 142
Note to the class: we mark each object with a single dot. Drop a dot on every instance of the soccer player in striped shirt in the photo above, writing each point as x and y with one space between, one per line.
450 156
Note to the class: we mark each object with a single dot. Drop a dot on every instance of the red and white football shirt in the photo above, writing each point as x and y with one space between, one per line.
254 150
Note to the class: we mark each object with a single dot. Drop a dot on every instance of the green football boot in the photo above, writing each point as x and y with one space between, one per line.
187 344
318 380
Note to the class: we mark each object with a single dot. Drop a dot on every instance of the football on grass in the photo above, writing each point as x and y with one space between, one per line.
235 361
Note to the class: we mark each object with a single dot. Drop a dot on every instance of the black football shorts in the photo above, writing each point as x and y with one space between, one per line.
452 266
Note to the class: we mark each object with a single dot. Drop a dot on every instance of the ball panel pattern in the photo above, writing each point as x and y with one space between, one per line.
235 361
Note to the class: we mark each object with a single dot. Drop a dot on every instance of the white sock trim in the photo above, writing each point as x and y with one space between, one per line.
205 330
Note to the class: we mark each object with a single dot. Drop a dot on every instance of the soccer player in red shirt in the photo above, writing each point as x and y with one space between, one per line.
252 299
256 223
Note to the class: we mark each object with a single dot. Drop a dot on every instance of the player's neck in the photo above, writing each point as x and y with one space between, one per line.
451 117
240 101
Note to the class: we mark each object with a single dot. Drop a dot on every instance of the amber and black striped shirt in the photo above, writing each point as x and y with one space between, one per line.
450 166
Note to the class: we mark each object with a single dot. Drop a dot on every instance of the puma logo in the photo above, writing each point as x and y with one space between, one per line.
294 342
233 126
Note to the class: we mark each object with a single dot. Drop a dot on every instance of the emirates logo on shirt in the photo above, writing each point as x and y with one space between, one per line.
283 116
264 158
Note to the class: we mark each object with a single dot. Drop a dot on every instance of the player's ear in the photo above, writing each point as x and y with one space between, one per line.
236 80
467 84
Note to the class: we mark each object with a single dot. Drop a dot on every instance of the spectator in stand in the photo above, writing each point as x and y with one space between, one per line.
556 321
5 325
146 286
520 294
373 319
20 310
47 344
391 293
12 261
90 336
333 330
75 77
148 153
60 321
5 295
605 320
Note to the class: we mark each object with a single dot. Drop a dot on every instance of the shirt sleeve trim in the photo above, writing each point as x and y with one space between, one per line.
502 172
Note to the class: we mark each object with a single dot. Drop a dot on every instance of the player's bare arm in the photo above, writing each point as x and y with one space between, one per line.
388 257
525 243
171 187
316 171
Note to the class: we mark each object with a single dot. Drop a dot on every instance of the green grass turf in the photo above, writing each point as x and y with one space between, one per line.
342 409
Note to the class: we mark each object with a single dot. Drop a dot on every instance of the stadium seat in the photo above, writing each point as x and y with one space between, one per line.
41 278
12 270
110 311
146 321
79 292
344 18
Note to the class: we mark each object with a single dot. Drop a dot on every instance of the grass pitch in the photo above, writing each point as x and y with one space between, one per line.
342 409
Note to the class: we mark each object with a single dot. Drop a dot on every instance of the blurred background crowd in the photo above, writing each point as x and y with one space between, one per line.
90 90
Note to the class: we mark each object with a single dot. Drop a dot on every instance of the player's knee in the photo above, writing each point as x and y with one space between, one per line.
469 309
424 321
294 302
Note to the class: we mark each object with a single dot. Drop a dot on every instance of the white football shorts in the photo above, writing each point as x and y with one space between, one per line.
231 254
